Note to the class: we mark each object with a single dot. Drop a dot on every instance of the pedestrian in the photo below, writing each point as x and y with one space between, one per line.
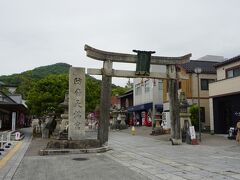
238 132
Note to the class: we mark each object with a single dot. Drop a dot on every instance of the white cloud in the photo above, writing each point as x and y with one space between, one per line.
35 33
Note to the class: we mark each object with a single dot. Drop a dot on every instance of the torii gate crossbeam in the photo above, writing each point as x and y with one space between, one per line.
107 73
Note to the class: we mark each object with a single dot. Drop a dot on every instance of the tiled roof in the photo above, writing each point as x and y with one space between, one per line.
206 66
129 92
231 60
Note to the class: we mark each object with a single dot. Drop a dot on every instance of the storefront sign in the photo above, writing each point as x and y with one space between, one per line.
192 132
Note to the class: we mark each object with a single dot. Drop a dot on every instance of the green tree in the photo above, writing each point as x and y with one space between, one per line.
26 84
45 95
118 90
194 115
93 93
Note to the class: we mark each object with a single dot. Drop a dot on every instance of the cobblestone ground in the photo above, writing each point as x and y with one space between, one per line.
158 159
137 157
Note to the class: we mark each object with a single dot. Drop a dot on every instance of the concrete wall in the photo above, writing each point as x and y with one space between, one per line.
154 94
221 71
227 86
203 93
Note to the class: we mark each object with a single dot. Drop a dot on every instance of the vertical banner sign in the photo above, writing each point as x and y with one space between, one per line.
192 132
13 121
76 129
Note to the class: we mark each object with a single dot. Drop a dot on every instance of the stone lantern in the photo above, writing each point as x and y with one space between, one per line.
62 124
184 115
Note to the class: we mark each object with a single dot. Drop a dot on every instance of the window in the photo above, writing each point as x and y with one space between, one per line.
160 85
147 86
205 83
230 73
138 89
233 72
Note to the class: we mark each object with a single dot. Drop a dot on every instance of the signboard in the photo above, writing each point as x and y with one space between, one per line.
192 132
76 129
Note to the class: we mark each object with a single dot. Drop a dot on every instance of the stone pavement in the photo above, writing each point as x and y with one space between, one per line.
207 139
158 159
12 164
133 157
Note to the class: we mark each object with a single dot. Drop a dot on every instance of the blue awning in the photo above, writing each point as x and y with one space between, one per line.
141 107
159 107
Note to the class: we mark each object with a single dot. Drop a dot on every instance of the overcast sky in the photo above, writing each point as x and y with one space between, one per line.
41 32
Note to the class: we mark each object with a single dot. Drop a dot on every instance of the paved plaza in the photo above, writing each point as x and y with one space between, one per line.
157 159
133 157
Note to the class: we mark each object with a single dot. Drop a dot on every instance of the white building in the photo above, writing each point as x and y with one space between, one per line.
148 93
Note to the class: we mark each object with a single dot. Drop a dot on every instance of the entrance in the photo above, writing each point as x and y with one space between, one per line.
226 113
143 60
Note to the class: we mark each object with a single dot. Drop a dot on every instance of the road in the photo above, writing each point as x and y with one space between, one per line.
137 157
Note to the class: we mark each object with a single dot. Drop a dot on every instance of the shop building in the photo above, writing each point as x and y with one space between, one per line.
190 87
147 94
225 96
13 112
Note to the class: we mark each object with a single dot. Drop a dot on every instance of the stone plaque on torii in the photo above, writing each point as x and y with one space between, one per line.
143 59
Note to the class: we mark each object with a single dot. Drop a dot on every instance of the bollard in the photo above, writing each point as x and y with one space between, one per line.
8 144
133 131
1 147
17 136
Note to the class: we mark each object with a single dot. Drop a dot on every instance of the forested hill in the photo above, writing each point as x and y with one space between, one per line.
36 74
44 87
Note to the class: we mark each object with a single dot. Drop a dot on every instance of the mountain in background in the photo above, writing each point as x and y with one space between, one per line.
36 74
30 82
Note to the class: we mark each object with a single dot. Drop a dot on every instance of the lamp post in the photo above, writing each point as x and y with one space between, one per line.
198 71
153 104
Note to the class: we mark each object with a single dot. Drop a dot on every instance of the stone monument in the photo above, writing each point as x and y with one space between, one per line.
76 129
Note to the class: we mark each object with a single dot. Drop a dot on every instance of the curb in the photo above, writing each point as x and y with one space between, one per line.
45 152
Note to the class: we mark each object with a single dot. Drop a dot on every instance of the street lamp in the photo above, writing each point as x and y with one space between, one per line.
198 71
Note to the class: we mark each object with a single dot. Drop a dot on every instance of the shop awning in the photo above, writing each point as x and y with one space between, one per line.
145 107
141 107
159 107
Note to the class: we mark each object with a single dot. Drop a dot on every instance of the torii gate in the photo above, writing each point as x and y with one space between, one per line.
108 72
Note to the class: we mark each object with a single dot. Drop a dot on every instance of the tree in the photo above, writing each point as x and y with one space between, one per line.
93 92
46 94
194 115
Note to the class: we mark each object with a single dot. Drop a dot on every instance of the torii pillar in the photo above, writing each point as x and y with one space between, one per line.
107 73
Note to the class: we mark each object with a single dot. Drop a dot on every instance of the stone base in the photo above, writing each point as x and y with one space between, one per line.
69 144
55 147
176 141
73 151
